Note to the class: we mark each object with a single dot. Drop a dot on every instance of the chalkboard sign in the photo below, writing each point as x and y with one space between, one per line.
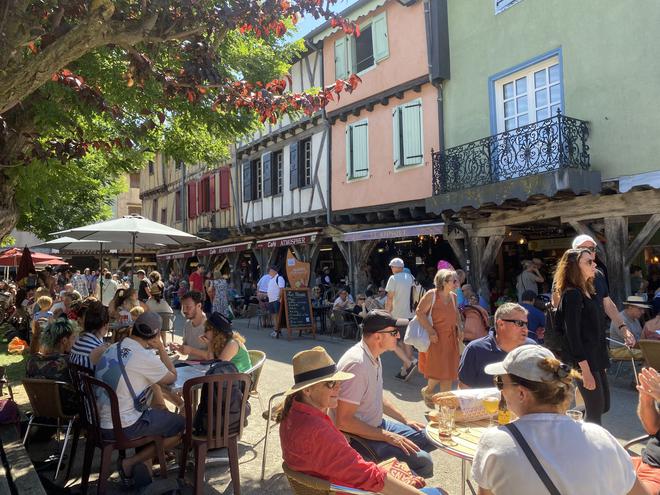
296 311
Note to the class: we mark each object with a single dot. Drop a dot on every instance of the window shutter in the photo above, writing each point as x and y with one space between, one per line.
201 207
360 150
192 199
225 175
293 166
247 181
412 134
341 66
396 137
266 173
379 37
212 189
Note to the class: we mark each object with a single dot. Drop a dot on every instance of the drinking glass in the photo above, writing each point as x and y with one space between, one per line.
490 404
575 415
446 420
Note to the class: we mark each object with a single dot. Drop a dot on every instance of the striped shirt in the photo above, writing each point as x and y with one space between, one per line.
84 344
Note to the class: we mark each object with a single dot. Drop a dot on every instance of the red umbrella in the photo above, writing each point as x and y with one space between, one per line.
13 257
25 269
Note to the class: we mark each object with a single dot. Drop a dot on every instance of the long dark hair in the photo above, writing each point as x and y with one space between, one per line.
568 274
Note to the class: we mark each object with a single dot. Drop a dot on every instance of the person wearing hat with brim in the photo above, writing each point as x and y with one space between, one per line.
312 444
399 287
362 406
577 457
158 304
143 369
224 343
634 308
607 305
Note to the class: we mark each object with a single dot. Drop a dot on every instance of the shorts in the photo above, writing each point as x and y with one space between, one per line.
274 307
157 422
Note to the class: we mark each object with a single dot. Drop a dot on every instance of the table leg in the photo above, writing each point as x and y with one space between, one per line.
463 475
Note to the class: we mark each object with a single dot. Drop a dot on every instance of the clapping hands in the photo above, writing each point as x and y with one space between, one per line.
649 383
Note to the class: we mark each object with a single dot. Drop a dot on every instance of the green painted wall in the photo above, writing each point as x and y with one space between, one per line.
611 66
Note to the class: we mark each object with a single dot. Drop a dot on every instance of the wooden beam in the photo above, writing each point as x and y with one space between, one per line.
458 249
490 253
642 238
616 232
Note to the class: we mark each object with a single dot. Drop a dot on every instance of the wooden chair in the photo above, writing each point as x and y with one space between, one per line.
257 358
218 433
82 424
255 311
94 439
346 323
269 418
651 352
304 484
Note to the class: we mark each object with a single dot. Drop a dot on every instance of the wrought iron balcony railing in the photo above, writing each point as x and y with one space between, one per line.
551 144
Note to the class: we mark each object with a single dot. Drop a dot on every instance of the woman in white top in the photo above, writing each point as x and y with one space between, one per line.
581 458
158 304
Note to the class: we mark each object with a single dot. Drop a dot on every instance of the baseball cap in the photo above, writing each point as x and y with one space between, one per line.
524 362
379 319
397 262
147 325
581 239
220 322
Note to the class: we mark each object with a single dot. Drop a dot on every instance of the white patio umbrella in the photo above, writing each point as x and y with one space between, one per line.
133 229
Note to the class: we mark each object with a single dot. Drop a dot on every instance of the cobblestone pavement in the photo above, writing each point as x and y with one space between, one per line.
277 376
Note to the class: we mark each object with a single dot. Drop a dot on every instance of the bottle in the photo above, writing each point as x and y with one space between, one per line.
503 414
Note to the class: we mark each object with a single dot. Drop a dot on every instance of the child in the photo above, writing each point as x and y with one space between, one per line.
45 303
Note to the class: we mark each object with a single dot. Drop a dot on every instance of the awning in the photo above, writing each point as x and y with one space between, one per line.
179 255
394 232
292 240
223 249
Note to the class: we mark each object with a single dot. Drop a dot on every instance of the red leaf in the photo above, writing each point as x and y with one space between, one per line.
32 47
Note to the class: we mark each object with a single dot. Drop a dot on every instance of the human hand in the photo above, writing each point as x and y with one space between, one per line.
433 338
415 424
629 338
174 347
649 383
588 380
401 442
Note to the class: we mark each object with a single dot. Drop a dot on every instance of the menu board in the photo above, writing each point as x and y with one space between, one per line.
296 311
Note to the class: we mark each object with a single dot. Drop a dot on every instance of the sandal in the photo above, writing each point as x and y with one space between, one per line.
126 482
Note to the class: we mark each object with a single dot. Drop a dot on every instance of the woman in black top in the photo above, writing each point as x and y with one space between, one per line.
585 335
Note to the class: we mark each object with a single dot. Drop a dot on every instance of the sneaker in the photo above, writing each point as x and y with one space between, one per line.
409 371
273 334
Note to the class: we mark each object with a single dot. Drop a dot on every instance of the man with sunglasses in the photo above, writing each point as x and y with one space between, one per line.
603 299
362 406
510 331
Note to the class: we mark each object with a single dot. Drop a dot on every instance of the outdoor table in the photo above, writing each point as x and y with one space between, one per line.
185 373
321 312
462 444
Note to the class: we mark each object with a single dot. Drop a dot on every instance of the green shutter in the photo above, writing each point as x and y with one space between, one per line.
266 164
396 137
341 65
293 165
349 151
360 149
247 181
412 133
379 37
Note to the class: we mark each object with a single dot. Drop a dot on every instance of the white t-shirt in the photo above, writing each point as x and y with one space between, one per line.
579 458
274 285
262 285
400 284
192 333
143 368
343 304
109 290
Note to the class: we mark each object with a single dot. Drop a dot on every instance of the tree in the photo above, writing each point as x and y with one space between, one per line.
89 89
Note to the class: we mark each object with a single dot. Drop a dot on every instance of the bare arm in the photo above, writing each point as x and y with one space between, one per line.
613 314
537 276
95 354
229 351
423 309
393 486
170 376
637 489
389 302
648 414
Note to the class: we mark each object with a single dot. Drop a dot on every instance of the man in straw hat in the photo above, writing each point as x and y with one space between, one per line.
362 404
633 310
311 444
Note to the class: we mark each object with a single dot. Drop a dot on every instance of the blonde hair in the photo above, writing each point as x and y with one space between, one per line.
45 303
442 277
556 392
136 311
41 291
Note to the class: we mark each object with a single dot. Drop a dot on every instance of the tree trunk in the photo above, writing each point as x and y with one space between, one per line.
8 208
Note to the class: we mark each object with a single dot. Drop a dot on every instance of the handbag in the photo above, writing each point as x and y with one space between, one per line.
533 460
142 402
415 334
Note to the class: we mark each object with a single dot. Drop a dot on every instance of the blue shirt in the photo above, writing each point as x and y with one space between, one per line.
535 319
476 356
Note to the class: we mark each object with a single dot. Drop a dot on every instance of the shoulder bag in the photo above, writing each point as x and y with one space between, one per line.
415 335
141 402
533 460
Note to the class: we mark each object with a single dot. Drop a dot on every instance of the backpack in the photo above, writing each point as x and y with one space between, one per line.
201 417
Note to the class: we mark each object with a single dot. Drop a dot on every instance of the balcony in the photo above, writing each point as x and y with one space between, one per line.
540 158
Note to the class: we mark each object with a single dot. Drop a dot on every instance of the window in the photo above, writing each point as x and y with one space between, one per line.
306 162
529 95
407 134
501 5
357 150
276 171
134 180
151 167
177 206
163 216
204 195
359 54
135 210
154 209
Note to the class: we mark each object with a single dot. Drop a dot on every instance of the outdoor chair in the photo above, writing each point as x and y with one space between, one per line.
44 396
218 432
254 310
269 418
257 358
94 439
168 323
631 443
81 424
623 358
651 352
346 322
304 484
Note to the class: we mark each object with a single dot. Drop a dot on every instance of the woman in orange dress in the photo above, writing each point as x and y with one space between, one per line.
439 364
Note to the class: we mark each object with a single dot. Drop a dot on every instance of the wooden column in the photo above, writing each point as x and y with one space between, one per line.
483 255
616 233
357 255
264 256
234 260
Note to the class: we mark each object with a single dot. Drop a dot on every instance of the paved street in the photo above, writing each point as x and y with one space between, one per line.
277 376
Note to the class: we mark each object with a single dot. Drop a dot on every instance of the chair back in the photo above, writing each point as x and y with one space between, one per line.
44 396
218 406
651 352
304 484
257 358
251 311
93 389
76 380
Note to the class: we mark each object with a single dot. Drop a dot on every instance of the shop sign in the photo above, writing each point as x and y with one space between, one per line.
394 232
175 256
545 244
228 248
287 241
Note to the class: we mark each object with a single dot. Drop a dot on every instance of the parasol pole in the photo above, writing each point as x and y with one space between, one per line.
101 272
133 262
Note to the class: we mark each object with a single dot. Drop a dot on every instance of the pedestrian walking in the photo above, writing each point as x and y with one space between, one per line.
399 291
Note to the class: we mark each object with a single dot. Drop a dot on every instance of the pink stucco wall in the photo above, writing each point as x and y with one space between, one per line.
384 185
407 59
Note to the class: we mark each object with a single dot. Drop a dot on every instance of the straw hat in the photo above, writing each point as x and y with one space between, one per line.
637 301
314 366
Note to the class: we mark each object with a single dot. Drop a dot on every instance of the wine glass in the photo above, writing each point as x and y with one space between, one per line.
490 404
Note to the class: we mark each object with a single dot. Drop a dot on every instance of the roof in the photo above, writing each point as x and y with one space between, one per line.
351 13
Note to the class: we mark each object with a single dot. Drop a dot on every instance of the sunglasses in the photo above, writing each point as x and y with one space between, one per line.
518 323
590 262
393 333
499 383
590 249
331 384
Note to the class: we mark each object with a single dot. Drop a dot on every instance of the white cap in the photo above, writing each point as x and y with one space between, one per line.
397 262
581 239
524 362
